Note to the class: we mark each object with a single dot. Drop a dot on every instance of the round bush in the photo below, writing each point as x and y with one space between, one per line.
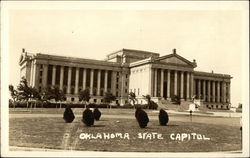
88 117
68 115
141 117
97 114
136 111
163 117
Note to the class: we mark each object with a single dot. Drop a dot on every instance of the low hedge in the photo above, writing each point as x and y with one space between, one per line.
23 104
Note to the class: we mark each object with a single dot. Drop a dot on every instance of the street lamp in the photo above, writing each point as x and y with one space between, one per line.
241 133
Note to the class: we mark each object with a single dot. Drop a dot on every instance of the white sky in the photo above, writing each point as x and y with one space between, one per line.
213 33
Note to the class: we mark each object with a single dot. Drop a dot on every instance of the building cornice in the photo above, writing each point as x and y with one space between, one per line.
202 74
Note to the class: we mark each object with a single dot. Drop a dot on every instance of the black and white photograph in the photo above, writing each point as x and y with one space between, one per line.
125 78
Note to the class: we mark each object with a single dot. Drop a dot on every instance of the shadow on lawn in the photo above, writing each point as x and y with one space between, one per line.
174 125
102 120
98 126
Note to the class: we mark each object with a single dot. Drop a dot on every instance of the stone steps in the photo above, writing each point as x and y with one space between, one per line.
166 104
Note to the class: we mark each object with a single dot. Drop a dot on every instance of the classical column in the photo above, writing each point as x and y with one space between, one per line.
91 81
84 79
168 92
199 88
182 84
113 82
162 81
218 91
98 82
175 82
36 76
191 84
69 80
213 91
151 81
229 100
188 88
208 91
31 73
155 83
224 91
45 75
54 75
204 90
106 81
61 77
77 80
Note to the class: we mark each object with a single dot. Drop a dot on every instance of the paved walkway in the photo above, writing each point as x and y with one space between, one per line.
210 114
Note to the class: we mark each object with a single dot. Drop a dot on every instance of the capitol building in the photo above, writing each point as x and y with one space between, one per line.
124 71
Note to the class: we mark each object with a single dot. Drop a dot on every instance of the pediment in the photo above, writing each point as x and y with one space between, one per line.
176 60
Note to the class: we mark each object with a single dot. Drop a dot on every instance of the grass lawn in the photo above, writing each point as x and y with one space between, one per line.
54 133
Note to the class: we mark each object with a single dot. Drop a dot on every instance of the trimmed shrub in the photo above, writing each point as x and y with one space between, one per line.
176 99
127 106
136 112
68 115
97 114
153 105
141 117
163 117
88 117
141 106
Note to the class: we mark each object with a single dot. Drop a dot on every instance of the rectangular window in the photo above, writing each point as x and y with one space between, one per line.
126 90
138 91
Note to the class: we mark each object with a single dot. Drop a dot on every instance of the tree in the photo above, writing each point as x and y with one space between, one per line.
84 96
148 98
53 93
43 97
58 94
132 97
109 97
24 91
35 95
14 94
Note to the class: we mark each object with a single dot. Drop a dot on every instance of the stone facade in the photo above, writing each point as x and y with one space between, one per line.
127 71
